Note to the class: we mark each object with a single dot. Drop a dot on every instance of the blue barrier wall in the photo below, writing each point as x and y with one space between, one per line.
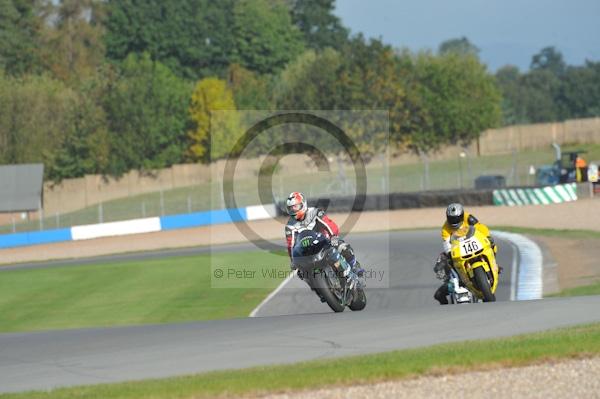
166 223
35 237
202 219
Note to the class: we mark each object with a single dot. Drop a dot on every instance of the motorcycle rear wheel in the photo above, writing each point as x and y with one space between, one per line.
484 285
321 285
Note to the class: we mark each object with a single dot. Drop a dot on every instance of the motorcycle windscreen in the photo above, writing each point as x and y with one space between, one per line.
463 232
308 246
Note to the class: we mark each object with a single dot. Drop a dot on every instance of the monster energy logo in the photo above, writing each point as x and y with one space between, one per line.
305 242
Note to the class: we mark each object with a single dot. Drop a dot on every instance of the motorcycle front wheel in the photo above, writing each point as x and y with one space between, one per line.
484 285
359 301
328 286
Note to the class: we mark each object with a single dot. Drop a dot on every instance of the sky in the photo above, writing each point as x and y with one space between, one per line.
506 31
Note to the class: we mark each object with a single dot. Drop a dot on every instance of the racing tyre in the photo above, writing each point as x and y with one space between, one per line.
360 301
484 285
328 286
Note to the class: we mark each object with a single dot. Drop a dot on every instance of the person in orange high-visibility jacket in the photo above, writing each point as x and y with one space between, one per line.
580 169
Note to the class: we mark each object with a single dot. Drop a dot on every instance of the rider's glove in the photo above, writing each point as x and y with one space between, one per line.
493 244
335 241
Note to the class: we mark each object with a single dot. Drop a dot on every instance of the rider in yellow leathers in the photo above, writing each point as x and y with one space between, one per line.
456 218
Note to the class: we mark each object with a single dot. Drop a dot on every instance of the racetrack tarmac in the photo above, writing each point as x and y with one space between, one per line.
403 315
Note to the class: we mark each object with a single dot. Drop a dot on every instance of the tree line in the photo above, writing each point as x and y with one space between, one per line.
550 91
106 86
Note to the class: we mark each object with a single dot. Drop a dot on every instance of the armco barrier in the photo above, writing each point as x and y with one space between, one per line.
536 196
136 226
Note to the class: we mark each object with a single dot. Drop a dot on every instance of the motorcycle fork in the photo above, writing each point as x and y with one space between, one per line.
343 266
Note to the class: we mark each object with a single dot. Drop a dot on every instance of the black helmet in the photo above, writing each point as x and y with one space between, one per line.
455 214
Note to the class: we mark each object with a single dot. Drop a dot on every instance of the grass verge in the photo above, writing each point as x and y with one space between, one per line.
468 355
174 289
592 289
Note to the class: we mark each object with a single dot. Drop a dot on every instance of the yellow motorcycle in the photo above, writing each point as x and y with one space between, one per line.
474 259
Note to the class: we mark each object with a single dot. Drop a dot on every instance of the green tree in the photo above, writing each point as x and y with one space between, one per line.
266 39
214 133
363 75
460 46
460 97
250 90
550 90
309 82
193 38
318 23
509 82
549 59
86 146
147 116
579 95
19 36
371 79
35 113
541 86
73 45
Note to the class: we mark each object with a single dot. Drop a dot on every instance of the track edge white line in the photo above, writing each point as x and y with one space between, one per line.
271 295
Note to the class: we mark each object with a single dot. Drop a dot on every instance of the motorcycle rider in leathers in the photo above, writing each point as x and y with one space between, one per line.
456 218
303 217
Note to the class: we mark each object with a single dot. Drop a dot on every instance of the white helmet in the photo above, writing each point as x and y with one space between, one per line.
296 205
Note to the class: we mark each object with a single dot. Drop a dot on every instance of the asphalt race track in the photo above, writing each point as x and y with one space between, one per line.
403 315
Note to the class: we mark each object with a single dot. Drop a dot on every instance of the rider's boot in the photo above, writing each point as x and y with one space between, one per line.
358 269
441 295
348 254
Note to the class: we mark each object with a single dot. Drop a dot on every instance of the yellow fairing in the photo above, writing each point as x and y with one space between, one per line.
472 249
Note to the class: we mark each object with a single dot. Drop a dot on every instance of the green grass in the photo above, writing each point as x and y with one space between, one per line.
592 289
464 356
402 178
561 233
166 290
